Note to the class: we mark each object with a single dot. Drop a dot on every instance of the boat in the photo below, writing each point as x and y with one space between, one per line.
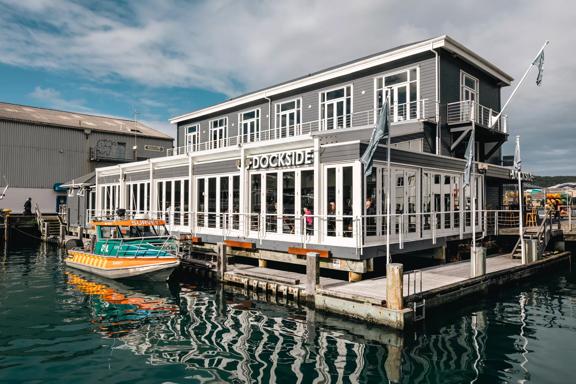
128 248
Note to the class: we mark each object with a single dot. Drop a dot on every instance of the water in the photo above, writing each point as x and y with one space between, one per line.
59 326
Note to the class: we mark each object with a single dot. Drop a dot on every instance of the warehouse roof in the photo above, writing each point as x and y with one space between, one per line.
75 120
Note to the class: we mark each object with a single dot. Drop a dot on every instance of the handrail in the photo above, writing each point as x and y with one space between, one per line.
467 110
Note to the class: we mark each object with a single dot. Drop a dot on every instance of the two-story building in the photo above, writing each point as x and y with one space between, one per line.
280 167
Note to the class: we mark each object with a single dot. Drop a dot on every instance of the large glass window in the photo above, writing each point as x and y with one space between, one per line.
218 132
255 201
212 202
370 204
224 201
307 200
288 118
200 204
336 108
249 123
331 208
288 202
402 89
271 202
236 201
347 200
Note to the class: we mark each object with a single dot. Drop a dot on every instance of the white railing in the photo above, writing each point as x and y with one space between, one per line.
399 113
338 230
468 111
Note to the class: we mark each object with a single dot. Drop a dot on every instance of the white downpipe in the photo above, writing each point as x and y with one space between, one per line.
437 103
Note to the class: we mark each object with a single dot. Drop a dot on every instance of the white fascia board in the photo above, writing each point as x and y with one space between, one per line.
320 77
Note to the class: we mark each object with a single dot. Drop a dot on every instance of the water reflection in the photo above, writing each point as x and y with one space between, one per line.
206 333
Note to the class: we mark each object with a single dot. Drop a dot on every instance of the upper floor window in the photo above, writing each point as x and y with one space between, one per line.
336 108
191 134
402 89
288 118
218 132
468 87
249 125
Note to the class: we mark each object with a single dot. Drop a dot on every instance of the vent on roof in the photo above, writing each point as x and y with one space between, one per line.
135 130
89 123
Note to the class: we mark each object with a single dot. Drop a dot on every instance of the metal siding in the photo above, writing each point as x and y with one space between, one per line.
34 156
348 152
361 82
111 179
137 176
166 173
227 166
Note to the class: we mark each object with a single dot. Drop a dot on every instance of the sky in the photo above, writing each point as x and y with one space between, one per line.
153 60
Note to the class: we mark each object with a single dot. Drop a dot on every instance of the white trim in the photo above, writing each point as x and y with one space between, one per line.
444 41
322 120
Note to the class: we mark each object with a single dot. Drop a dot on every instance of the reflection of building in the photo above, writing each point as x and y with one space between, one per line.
43 148
280 167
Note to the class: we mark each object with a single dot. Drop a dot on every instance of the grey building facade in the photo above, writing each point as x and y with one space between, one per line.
43 148
280 167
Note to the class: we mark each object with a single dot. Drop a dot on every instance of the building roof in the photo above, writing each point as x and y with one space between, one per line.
389 55
75 120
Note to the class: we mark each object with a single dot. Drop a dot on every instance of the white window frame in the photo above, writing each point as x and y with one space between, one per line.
188 134
222 137
322 120
463 76
258 124
394 108
278 114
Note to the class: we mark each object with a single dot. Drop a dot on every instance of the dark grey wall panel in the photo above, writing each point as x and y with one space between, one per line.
137 176
111 179
348 152
226 166
362 102
167 173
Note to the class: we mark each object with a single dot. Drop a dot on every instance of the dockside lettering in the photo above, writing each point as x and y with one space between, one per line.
282 159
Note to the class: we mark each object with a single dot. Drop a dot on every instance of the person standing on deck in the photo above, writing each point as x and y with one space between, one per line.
28 206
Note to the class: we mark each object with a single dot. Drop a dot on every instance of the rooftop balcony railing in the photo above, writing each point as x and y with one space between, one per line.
399 113
468 111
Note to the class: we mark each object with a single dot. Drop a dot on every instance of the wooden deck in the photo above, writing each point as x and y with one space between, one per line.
432 278
374 290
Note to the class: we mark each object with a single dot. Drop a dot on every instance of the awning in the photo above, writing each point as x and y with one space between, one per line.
82 181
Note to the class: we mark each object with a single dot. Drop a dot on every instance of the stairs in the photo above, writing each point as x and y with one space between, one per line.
542 234
49 226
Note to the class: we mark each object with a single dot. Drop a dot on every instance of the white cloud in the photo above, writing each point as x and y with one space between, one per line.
231 46
53 99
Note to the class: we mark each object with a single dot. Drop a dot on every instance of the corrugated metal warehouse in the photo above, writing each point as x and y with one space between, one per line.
42 148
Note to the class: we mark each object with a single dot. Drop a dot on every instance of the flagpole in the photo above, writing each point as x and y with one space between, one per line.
472 196
520 199
389 190
518 85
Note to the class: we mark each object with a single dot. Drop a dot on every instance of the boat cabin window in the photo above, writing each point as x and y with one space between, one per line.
107 232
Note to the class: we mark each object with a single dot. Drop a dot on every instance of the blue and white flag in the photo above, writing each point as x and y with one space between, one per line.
517 158
381 130
469 156
540 63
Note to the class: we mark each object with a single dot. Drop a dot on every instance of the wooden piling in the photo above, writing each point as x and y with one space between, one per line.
6 226
222 260
312 272
262 263
394 286
477 261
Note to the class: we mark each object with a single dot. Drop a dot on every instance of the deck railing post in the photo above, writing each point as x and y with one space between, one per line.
312 273
394 286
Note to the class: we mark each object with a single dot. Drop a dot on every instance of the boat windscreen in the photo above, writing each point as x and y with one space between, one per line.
142 231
